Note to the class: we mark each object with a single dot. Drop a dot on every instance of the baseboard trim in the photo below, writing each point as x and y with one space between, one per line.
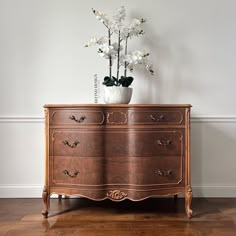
21 191
35 191
214 191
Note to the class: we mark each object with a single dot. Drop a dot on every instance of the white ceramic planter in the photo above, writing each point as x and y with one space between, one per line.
117 95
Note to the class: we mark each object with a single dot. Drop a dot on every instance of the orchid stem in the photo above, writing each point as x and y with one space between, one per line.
126 44
118 57
110 59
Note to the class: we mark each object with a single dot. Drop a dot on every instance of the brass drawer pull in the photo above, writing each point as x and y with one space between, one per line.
67 173
161 118
81 119
159 142
163 173
159 172
65 142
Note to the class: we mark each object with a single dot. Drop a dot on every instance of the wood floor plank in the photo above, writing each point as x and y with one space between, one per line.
162 217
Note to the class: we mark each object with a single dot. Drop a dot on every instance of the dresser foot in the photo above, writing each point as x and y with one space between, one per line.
188 200
45 197
59 197
45 213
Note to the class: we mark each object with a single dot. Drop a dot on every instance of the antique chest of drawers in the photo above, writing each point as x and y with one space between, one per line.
117 152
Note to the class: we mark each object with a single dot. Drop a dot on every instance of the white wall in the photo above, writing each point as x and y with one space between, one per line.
43 60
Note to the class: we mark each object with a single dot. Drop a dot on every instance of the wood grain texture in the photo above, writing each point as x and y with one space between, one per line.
117 152
151 217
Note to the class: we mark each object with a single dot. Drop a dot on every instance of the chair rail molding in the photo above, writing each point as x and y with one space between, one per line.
213 119
21 119
194 119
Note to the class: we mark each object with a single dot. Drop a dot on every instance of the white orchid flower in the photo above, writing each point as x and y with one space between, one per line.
116 47
103 18
106 50
138 57
119 16
96 41
114 51
149 68
135 57
133 29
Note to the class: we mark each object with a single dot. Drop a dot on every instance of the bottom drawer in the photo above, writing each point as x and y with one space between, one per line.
76 170
122 171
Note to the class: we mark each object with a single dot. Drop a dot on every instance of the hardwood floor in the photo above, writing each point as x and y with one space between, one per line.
82 217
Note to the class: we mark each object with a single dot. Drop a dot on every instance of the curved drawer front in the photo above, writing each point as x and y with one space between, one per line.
145 143
157 117
76 117
157 171
76 143
144 170
135 171
75 171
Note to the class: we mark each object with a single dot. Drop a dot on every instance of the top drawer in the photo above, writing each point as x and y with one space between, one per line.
76 117
158 116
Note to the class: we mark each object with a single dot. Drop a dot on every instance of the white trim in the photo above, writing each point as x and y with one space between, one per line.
21 191
214 191
21 119
213 119
194 119
35 191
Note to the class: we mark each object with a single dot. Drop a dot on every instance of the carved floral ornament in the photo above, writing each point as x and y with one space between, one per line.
117 117
116 194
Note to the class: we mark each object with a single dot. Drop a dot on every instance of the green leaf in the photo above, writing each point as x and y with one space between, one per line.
109 81
126 81
114 78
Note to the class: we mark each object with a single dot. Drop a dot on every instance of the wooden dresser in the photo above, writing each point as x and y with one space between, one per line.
117 152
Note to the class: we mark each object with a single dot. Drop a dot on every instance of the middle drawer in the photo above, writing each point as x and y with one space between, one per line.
81 143
116 143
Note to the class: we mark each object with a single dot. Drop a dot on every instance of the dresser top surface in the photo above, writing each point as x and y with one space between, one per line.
115 105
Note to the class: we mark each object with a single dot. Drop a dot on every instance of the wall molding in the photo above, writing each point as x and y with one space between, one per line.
21 191
194 119
213 119
21 119
35 191
214 191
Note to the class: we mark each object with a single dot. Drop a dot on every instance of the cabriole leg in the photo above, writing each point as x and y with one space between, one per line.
46 199
188 200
